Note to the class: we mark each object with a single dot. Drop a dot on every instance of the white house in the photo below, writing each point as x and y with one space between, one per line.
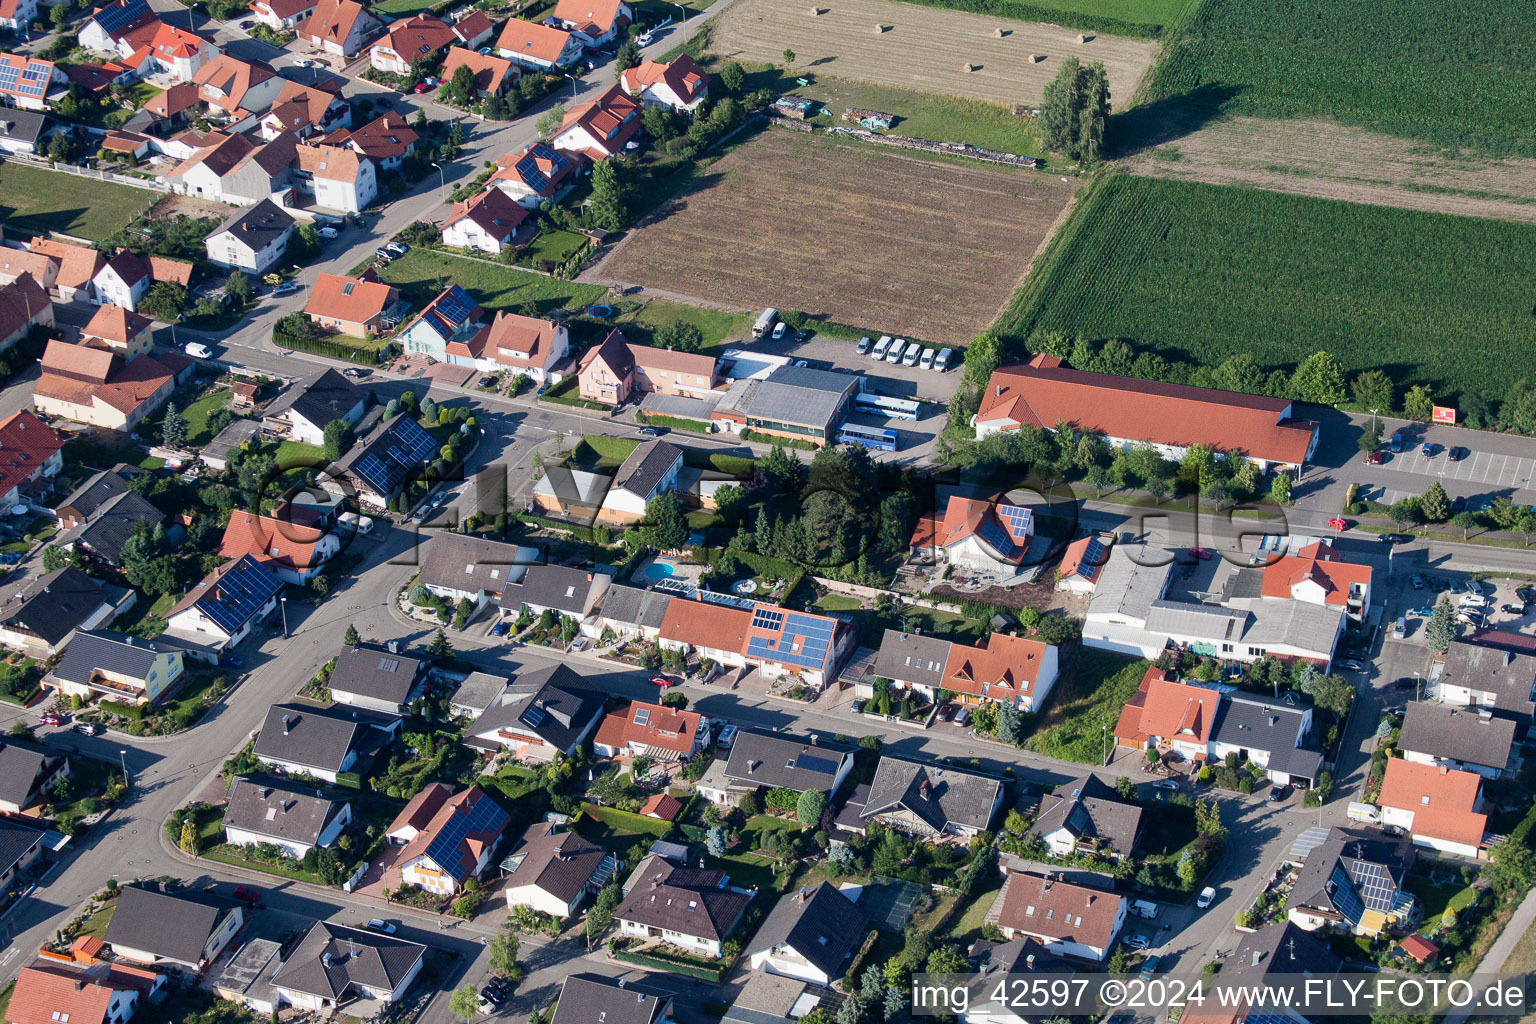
553 872
16 15
651 469
338 176
809 935
334 965
600 128
532 45
694 909
295 819
282 15
252 240
524 344
457 566
221 609
187 928
301 739
1468 739
486 221
1439 807
1065 918
310 405
681 85
457 844
595 21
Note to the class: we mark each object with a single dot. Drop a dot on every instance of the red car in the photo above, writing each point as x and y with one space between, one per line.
247 895
421 87
662 681
1373 458
51 719
1204 554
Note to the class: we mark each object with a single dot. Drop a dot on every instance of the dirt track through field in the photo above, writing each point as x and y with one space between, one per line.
924 49
1329 161
859 234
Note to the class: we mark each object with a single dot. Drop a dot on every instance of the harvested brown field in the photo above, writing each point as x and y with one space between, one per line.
856 233
174 205
1331 161
926 49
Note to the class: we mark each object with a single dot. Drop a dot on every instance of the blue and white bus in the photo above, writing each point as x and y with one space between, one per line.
888 406
870 437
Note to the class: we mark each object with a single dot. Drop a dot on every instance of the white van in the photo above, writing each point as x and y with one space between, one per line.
863 346
927 361
913 354
198 351
1145 908
897 347
942 362
1400 627
881 347
359 524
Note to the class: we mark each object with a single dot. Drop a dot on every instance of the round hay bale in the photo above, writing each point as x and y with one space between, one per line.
816 12
1036 58
1001 32
968 68
882 28
1085 38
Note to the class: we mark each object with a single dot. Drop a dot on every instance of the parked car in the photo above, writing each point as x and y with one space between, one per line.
378 925
421 87
248 23
1397 441
727 736
858 706
1165 784
1427 450
1207 897
1137 941
500 629
805 334
51 719
1456 454
383 254
1278 793
89 729
487 381
245 894
1418 582
1350 665
946 712
305 64
356 372
397 248
483 51
1423 611
652 431
1150 966
779 329
1458 504
286 288
1513 609
963 716
663 681
329 234
863 346
1374 458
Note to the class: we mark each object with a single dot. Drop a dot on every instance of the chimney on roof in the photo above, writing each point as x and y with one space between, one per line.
285 725
393 646
1444 769
1029 961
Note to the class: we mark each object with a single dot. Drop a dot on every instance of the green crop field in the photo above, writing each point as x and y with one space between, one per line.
37 200
1144 18
1203 272
1459 74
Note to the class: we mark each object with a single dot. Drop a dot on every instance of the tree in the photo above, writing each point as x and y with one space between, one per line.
173 432
1125 789
1280 487
601 914
550 120
1319 378
465 1002
1007 722
440 647
306 243
165 300
1334 693
350 637
674 700
1418 404
1370 436
627 56
1434 504
338 438
58 16
733 78
238 286
1075 110
714 842
503 949
664 528
188 840
1405 512
809 808
1441 629
789 55
1466 520
460 89
1373 391
609 204
751 804
945 960
684 337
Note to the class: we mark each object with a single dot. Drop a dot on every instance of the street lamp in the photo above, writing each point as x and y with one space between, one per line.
122 759
282 599
1417 694
1373 421
441 179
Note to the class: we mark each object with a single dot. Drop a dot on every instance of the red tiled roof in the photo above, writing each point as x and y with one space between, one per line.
383 138
1441 800
1418 947
332 21
21 303
283 9
663 806
1319 563
1009 665
497 214
349 298
1072 563
599 14
490 71
1043 393
540 42
472 25
554 167
418 812
702 624
683 76
663 727
612 119
470 845
26 444
114 323
1055 909
520 341
21 65
421 36
288 544
1177 710
224 81
77 263
968 517
330 163
162 268
48 995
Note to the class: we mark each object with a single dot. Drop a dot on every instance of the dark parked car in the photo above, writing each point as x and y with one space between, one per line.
1457 453
1427 450
652 431
1278 793
946 712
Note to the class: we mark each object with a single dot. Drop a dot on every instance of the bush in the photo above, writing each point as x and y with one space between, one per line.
112 707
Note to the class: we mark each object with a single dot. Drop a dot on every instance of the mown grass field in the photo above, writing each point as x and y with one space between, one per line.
1085 702
1202 272
422 274
1455 75
35 200
927 116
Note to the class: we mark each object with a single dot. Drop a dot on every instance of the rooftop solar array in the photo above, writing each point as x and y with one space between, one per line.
390 460
812 763
1093 557
1020 521
484 816
115 17
1376 887
813 636
642 716
1345 899
528 167
33 80
450 310
239 594
534 716
993 533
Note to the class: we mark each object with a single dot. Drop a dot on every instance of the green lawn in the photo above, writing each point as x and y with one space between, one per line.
37 200
1435 897
197 415
967 927
717 326
422 274
556 246
148 620
924 115
1199 273
96 925
226 854
838 603
140 93
1452 76
403 8
599 453
88 778
1086 700
296 453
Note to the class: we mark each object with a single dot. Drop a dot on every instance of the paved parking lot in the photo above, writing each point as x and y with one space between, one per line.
1489 468
893 378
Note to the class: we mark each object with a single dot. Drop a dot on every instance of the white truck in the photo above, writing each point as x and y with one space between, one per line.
764 322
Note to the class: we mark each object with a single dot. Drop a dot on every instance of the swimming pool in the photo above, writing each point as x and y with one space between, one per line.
658 571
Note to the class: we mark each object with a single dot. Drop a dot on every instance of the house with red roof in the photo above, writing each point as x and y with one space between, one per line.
77 268
354 306
297 554
773 641
15 262
1169 715
651 730
230 85
422 37
493 74
535 173
595 21
30 454
681 85
127 277
542 47
1002 667
16 15
1441 808
980 534
612 372
486 222
28 82
337 176
1081 564
385 140
458 843
1067 919
1128 411
600 128
51 993
96 387
339 26
306 110
524 344
1317 574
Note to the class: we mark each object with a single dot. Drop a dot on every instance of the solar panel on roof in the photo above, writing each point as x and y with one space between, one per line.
1093 555
534 716
484 816
7 77
455 306
1018 519
993 533
812 763
240 594
34 80
403 449
643 716
113 18
767 618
